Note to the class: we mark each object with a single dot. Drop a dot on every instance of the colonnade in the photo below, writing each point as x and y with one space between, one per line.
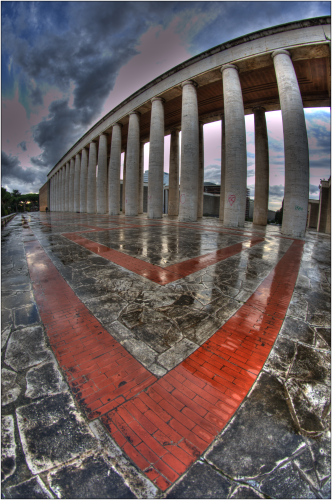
76 187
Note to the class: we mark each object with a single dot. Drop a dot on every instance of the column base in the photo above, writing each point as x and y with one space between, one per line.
187 219
293 234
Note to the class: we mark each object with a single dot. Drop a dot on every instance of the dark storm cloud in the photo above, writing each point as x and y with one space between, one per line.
313 189
276 191
246 17
83 45
23 145
36 97
100 39
320 163
12 172
52 134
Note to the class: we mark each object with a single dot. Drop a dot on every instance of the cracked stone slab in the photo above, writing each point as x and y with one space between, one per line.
25 316
298 307
177 353
17 300
261 434
106 308
320 449
119 331
286 482
304 464
297 330
52 432
91 477
4 336
33 488
201 481
8 447
26 348
10 390
44 380
143 353
246 491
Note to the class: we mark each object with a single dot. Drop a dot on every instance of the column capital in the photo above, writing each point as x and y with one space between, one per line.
258 108
280 51
78 154
135 113
157 99
189 82
227 66
118 124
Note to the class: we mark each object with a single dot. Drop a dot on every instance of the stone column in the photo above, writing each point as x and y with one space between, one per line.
57 184
295 145
58 180
91 191
223 170
84 181
156 159
71 184
261 168
189 153
55 193
77 183
200 191
52 194
114 171
236 149
101 191
61 189
132 165
124 183
67 188
141 179
173 195
64 188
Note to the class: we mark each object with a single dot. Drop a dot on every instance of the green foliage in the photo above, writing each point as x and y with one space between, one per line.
12 201
279 213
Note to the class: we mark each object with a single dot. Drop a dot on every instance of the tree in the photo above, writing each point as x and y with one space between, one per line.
279 214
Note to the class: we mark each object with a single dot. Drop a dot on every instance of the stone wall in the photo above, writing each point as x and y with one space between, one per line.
314 212
324 202
211 204
44 197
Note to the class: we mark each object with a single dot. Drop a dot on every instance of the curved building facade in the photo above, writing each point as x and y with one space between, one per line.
285 68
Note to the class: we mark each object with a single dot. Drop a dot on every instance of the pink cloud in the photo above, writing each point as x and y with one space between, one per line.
159 51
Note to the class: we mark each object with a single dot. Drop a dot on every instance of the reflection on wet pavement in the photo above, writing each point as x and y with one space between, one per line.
162 329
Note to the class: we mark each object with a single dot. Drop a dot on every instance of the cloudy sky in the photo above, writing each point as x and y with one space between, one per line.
66 64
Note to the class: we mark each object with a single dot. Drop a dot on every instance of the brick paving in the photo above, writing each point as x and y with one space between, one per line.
164 424
164 429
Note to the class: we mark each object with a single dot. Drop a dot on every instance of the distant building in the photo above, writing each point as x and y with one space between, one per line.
146 177
319 211
247 203
211 187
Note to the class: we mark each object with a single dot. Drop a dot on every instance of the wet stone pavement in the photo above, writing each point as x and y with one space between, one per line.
157 359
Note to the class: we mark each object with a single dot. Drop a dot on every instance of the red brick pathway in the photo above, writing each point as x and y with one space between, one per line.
160 275
162 425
